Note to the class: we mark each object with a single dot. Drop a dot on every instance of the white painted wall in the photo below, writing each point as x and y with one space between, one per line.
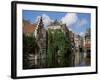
5 40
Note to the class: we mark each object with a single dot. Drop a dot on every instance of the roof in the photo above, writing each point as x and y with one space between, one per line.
28 27
55 23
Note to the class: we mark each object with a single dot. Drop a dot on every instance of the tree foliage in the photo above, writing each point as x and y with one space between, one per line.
29 47
59 46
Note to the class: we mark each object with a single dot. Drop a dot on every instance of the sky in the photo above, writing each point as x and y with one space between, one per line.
76 22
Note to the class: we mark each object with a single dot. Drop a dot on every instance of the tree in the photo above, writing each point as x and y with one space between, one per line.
29 47
58 46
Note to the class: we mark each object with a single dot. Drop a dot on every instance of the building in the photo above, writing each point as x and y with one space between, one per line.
28 28
69 37
38 32
78 42
87 42
41 39
54 25
78 49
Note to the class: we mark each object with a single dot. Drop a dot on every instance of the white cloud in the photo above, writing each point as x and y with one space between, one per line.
69 19
72 18
70 29
81 22
46 19
37 18
81 33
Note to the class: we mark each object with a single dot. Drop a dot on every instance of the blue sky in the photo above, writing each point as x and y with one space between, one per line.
77 22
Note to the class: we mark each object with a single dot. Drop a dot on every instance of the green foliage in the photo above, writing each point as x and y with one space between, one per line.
58 49
29 44
29 47
58 46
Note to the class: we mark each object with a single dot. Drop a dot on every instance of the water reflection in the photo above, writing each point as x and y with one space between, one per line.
81 59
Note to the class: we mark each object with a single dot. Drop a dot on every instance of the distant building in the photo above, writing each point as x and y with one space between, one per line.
54 25
57 25
78 42
71 35
87 40
78 48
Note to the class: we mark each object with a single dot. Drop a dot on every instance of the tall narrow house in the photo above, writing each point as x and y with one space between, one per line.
40 35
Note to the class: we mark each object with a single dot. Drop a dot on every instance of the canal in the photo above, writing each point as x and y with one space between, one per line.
81 59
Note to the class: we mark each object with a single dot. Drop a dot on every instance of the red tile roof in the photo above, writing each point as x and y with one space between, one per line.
28 27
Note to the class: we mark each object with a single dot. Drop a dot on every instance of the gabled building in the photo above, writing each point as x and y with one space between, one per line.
58 25
28 28
38 32
41 39
54 25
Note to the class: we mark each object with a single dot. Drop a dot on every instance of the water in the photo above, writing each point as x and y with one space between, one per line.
81 59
